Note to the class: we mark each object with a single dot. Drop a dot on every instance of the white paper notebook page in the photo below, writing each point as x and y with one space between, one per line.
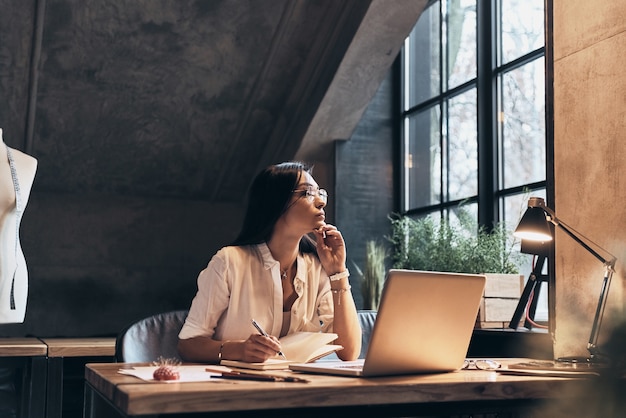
302 345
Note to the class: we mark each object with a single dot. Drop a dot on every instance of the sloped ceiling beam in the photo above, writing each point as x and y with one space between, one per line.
375 46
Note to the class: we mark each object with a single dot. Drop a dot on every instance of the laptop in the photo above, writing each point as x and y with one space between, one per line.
424 325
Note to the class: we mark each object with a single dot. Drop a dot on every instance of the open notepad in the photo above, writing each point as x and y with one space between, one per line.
299 347
552 369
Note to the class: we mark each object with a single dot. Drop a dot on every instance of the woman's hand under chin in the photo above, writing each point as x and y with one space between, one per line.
331 248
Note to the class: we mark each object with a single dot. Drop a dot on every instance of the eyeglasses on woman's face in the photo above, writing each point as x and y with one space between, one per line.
311 192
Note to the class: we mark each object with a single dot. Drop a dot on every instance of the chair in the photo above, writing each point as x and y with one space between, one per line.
150 338
157 336
367 319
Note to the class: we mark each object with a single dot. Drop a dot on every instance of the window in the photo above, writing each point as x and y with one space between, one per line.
473 111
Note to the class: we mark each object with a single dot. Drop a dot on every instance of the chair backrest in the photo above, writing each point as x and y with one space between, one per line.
157 336
150 338
366 319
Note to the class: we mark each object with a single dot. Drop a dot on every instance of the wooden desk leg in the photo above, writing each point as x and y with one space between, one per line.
54 406
33 403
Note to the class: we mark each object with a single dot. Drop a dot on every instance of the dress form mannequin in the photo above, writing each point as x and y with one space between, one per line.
18 174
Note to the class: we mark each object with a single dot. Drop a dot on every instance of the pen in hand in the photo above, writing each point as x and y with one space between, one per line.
265 334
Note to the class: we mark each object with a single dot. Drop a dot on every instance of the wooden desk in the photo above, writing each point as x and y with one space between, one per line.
22 347
80 347
60 348
29 354
108 393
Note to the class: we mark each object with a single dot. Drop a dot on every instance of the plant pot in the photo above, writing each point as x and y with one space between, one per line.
500 299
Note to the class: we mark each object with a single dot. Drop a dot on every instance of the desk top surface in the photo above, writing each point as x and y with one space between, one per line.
135 397
22 347
79 347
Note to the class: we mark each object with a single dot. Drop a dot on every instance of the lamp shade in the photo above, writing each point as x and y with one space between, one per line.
541 248
534 226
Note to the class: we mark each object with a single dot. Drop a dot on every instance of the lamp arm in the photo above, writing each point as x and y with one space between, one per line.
609 268
579 238
569 231
592 345
608 260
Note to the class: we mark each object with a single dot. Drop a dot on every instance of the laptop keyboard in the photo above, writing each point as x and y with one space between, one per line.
350 366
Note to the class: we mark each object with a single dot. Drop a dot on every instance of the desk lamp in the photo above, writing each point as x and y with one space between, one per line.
534 227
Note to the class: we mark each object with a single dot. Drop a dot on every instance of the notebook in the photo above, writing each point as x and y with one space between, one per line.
424 325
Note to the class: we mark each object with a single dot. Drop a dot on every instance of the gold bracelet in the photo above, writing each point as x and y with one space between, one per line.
339 292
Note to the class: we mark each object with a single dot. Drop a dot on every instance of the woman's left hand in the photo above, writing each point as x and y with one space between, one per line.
331 249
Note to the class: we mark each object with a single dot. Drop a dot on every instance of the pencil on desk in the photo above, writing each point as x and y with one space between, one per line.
260 377
254 376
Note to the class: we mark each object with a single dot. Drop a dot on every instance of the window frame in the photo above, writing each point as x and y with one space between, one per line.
489 194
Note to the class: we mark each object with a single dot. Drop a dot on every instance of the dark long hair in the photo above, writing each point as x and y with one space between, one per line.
268 199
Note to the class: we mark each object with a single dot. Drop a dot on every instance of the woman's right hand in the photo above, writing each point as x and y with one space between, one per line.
258 348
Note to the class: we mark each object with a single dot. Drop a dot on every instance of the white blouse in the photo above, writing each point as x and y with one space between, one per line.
243 283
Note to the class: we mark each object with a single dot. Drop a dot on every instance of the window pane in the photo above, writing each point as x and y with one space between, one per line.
422 58
521 28
522 125
461 152
423 158
514 206
464 216
435 215
461 41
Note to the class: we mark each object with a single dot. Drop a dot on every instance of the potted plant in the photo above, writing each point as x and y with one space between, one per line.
464 247
373 276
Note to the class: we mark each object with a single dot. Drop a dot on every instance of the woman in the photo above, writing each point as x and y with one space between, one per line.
274 273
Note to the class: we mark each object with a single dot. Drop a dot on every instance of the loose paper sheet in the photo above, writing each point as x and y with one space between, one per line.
187 373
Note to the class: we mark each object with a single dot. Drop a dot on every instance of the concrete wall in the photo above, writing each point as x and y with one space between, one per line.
98 262
365 182
149 120
590 160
